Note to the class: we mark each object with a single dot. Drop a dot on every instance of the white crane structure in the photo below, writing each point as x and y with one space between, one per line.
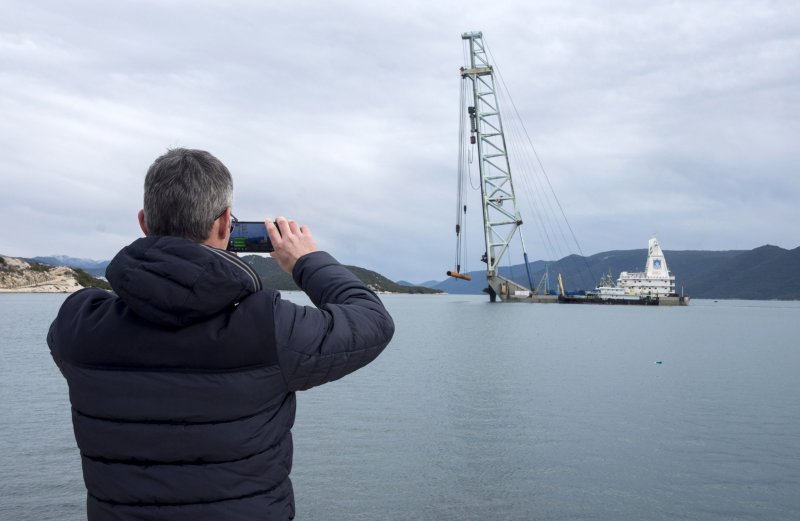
501 218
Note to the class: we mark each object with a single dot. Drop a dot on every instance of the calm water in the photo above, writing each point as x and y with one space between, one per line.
508 412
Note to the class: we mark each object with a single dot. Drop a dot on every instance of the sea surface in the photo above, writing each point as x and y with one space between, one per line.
493 412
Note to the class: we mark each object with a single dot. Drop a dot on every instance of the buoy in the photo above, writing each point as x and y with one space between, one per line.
458 275
658 362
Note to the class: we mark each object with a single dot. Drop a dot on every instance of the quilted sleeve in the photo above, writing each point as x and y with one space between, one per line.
347 330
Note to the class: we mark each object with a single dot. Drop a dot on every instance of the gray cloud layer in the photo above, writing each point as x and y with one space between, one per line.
680 118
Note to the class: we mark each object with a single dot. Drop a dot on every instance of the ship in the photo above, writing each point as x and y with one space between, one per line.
655 286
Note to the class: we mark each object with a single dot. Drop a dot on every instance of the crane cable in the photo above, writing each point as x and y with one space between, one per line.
460 217
464 171
538 159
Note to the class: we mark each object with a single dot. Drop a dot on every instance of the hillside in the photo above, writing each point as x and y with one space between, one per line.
92 267
274 277
21 276
767 272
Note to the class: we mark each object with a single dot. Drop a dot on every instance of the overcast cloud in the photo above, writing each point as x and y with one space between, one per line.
681 118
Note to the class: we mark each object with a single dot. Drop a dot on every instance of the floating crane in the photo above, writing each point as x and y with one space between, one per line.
501 218
481 130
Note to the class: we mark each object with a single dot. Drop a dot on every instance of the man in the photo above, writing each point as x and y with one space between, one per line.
182 381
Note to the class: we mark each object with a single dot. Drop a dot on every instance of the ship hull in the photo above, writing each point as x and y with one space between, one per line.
640 301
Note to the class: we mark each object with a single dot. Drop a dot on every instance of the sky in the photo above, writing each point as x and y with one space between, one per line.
680 119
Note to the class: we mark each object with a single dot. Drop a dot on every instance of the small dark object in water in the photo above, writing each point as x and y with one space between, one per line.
658 362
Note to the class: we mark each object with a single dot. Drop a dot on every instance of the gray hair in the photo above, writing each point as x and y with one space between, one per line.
184 192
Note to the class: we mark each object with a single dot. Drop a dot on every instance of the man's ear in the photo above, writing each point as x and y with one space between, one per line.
142 224
224 225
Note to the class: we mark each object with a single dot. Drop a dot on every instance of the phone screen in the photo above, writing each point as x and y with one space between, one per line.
250 236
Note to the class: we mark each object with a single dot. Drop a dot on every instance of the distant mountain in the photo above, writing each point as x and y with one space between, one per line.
93 267
426 284
274 277
378 282
767 272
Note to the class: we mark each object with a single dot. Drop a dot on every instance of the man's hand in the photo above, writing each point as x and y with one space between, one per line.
291 243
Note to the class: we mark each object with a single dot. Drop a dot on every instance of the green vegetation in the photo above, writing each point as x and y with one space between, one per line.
764 273
87 281
34 266
272 276
380 283
35 274
40 268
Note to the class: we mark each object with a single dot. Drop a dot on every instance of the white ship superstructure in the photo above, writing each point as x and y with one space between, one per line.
654 281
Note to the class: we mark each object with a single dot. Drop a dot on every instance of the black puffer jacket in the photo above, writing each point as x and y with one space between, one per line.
182 384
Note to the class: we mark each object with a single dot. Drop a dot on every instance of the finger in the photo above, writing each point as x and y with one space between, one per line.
283 225
305 230
273 233
294 227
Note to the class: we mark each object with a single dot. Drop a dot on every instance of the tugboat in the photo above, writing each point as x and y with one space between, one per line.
655 286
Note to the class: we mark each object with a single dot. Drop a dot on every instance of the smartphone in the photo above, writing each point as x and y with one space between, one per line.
250 236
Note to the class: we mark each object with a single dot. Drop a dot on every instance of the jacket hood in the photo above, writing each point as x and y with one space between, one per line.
173 281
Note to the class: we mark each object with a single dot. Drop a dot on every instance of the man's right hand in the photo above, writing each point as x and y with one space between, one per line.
291 243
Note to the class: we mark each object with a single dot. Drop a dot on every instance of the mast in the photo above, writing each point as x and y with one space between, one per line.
501 218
